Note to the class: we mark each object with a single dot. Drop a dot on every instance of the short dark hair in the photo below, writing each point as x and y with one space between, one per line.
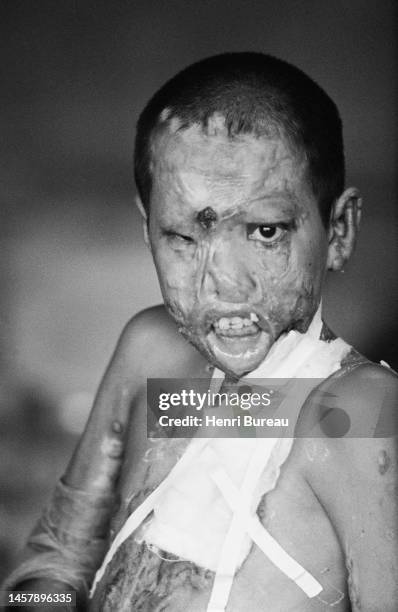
253 91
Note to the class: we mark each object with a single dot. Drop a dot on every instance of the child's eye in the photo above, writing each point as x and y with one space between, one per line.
268 234
179 238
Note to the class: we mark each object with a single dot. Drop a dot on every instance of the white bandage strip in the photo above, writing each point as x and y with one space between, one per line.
139 515
229 556
270 547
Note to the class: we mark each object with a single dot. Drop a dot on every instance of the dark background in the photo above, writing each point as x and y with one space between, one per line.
74 76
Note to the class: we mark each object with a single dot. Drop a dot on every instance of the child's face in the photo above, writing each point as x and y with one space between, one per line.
250 266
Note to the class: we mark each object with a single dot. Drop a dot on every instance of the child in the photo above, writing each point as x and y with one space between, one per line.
239 167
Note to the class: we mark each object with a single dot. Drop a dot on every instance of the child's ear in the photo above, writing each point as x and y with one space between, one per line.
344 223
144 216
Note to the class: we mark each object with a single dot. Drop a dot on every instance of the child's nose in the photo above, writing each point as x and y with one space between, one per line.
228 277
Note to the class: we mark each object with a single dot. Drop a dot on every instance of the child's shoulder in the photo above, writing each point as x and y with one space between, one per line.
152 344
346 437
367 392
358 401
146 325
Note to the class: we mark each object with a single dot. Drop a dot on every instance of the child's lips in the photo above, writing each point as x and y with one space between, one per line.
235 341
238 339
238 351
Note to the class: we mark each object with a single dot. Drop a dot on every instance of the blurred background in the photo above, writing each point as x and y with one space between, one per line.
74 268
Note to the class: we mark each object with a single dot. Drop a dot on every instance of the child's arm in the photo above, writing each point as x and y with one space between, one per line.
69 542
356 481
371 536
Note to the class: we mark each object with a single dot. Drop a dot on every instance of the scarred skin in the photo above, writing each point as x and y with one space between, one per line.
335 506
228 267
334 509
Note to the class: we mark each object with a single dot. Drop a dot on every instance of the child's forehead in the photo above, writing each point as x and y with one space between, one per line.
211 146
212 151
199 164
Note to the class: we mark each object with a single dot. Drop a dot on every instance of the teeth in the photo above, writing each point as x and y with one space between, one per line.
236 322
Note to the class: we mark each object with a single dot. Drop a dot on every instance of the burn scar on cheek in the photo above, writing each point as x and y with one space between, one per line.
283 277
272 263
181 276
383 462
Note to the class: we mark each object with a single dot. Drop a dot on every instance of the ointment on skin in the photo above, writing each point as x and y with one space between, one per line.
263 257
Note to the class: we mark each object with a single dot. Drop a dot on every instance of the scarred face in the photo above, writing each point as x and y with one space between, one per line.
237 240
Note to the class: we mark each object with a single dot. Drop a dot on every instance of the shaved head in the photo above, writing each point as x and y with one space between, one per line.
248 93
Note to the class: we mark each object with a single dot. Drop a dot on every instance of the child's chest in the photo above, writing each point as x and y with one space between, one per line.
142 577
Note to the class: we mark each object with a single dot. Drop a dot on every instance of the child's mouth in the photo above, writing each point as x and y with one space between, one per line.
236 326
238 341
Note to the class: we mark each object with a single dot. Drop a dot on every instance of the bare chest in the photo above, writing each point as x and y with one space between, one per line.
143 578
